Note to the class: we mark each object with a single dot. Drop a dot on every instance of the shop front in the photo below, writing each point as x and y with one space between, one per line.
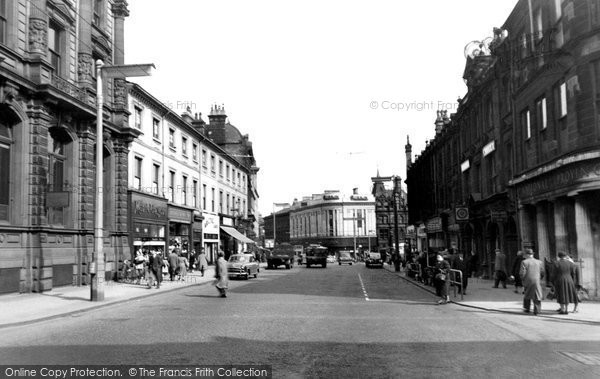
197 232
232 241
210 236
435 234
180 229
147 222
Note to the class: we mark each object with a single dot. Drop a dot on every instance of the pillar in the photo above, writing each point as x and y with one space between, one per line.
560 225
542 230
84 59
526 224
585 244
38 28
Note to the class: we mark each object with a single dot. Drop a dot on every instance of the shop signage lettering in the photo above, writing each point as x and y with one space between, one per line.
180 215
148 210
560 179
434 225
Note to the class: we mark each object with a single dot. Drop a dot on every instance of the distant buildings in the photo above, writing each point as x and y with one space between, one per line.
518 164
391 213
331 219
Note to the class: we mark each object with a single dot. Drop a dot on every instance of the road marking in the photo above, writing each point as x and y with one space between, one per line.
363 288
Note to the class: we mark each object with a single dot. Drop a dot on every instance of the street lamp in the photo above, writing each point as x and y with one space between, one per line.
109 71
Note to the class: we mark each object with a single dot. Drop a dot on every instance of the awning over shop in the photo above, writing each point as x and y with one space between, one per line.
235 234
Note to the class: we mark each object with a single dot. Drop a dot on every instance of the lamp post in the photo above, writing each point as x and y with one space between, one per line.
97 269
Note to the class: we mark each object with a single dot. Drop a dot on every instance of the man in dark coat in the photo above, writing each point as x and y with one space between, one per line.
173 263
156 265
500 268
532 272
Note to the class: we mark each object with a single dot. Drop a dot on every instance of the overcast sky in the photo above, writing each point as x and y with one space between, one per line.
326 90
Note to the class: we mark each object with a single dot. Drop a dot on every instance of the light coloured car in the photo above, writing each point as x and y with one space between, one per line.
242 265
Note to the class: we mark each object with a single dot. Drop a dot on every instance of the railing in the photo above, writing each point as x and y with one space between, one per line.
457 283
73 90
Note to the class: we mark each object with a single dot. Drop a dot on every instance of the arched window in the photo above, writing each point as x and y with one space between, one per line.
5 148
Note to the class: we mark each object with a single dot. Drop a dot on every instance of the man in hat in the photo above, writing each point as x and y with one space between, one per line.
532 272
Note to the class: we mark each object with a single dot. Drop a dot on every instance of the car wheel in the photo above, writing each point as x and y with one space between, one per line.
256 274
287 267
350 263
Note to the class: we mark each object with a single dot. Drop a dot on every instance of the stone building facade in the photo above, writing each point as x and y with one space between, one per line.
47 141
389 204
518 164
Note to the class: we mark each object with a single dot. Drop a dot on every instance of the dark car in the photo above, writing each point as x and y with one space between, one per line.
242 265
345 257
374 259
282 255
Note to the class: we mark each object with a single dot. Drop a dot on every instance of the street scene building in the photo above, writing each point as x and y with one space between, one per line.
334 220
517 165
48 51
391 214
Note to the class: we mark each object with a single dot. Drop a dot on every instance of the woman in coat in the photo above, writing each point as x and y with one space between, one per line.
221 274
202 263
441 279
565 277
182 264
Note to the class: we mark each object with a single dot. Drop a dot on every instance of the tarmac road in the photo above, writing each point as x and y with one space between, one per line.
341 321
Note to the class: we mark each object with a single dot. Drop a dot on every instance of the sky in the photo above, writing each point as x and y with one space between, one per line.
327 91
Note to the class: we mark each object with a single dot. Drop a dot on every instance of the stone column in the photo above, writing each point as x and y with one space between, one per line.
542 230
38 28
526 226
84 60
560 225
585 243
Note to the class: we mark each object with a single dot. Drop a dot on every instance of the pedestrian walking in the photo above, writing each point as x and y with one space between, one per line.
221 276
138 262
441 279
515 271
173 263
564 281
182 265
202 262
473 263
532 272
500 269
156 265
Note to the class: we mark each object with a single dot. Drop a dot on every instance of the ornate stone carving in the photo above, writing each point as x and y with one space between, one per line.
119 8
120 93
37 36
85 67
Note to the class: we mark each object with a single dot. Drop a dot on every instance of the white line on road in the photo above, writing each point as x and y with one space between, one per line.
363 288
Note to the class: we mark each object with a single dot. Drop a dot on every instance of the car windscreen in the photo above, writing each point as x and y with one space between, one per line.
345 255
238 258
375 255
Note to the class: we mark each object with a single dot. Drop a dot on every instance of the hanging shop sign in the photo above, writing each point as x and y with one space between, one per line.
489 148
465 166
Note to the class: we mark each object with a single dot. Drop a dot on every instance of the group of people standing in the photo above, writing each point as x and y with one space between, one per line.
528 274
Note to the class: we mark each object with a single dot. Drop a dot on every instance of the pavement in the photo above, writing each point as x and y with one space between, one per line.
29 308
480 294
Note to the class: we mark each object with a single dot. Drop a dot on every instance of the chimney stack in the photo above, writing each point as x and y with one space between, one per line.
408 151
439 122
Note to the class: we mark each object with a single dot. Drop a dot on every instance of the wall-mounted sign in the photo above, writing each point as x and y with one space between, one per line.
57 199
465 166
149 209
462 214
434 225
489 148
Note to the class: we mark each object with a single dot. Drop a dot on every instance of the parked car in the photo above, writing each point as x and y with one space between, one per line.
374 259
330 259
345 257
243 265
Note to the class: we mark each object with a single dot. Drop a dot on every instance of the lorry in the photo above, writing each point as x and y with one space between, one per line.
316 255
281 255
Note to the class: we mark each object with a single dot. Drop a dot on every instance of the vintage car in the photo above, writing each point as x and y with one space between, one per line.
242 265
345 257
373 259
330 259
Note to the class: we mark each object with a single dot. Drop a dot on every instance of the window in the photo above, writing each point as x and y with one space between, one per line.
384 234
212 200
244 181
184 146
203 158
562 100
212 163
55 47
137 173
244 208
238 179
542 119
172 186
155 128
155 178
3 21
233 176
538 24
5 147
227 204
172 138
220 201
220 168
204 196
184 190
137 117
194 193
194 152
97 12
227 171
526 121
57 181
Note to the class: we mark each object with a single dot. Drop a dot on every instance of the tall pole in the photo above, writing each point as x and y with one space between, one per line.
274 232
97 272
396 200
354 229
